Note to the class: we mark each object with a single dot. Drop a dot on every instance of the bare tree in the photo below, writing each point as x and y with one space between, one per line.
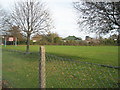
100 17
5 21
2 20
32 17
16 32
1 17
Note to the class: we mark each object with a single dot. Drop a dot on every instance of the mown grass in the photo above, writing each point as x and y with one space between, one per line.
21 71
73 75
107 55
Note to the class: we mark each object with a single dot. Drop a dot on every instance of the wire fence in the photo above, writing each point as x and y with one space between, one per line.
59 72
67 73
20 70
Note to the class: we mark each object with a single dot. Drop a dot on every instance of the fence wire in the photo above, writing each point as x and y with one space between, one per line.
59 72
20 70
67 73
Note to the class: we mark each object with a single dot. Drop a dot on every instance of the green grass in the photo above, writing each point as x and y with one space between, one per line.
75 75
95 54
107 55
21 70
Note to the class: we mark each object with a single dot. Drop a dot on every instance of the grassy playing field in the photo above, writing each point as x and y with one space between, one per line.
21 71
107 55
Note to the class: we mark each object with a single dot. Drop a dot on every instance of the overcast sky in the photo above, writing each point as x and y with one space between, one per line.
63 14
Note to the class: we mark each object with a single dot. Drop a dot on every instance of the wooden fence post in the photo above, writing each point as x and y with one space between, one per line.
42 77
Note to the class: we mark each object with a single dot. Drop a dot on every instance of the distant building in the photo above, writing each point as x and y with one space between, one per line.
114 37
36 38
73 38
88 38
91 40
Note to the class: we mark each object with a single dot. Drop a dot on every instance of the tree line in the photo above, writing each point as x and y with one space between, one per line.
54 39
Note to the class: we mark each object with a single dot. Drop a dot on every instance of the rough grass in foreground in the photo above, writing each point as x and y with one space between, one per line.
21 71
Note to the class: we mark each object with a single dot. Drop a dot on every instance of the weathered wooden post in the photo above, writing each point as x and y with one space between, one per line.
42 77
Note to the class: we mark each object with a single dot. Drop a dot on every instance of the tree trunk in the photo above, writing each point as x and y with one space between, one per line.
28 43
118 41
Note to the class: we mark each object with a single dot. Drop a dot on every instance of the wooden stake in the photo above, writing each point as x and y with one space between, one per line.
42 77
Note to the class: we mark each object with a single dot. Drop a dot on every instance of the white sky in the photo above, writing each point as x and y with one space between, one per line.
63 15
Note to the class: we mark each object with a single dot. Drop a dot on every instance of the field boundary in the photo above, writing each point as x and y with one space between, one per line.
53 71
67 59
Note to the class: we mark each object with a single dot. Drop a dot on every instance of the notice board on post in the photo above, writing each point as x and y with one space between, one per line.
10 39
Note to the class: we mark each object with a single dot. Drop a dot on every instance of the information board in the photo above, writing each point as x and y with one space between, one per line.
10 39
